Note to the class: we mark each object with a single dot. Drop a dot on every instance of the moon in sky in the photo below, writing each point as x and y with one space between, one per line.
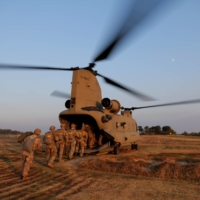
172 60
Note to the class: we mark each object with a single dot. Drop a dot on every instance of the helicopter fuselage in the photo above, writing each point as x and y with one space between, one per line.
86 107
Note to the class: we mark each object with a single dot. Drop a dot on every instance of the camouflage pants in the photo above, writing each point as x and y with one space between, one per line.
91 139
67 149
80 147
60 150
27 162
100 139
70 149
51 152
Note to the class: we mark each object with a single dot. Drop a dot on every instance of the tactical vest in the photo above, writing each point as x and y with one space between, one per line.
82 135
60 135
71 134
49 138
87 128
28 145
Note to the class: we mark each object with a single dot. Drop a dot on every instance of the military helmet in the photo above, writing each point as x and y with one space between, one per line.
37 131
73 125
52 128
63 125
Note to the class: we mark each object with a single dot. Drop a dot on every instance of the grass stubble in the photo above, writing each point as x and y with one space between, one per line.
164 167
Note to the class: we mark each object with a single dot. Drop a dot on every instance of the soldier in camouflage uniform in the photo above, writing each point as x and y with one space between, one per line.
67 123
81 141
59 136
91 136
51 149
100 139
30 143
71 140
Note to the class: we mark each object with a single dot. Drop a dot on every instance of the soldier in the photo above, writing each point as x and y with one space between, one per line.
59 136
85 136
100 139
91 136
71 141
51 149
30 143
81 141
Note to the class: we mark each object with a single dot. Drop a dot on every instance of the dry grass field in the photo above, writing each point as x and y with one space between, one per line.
164 167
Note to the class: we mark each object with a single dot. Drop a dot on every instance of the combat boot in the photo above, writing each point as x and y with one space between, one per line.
50 165
75 154
25 178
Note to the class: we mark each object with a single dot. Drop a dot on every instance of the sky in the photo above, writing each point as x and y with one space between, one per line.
161 59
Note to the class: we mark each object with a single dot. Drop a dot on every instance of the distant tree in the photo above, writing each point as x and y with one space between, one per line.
151 130
157 129
184 133
8 131
167 130
140 129
194 134
146 129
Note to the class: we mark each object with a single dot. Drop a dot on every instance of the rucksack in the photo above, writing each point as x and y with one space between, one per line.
23 136
49 138
29 143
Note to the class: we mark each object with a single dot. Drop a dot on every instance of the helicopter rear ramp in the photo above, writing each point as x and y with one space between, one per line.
102 148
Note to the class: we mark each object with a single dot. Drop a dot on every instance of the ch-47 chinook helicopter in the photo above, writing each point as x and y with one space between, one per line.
86 104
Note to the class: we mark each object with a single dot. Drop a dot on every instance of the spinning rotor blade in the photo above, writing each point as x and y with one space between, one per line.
139 11
169 104
131 91
57 93
7 66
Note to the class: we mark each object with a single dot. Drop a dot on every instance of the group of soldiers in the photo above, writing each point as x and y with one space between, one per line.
72 141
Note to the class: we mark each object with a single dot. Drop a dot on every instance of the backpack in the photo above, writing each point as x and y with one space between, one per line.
48 138
23 136
28 145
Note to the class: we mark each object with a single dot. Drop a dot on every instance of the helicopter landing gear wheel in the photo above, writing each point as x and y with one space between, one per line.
116 150
134 146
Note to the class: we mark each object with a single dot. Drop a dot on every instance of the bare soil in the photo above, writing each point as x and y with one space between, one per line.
164 167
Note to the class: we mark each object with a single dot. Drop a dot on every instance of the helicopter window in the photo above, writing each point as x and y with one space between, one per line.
73 100
117 124
124 126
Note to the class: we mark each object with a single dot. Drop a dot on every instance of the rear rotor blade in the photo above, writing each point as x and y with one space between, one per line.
170 104
23 67
57 93
137 13
135 93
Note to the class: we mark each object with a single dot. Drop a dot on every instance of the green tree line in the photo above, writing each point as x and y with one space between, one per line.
156 130
165 130
9 131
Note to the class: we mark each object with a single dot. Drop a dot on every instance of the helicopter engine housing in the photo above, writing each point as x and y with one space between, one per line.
67 104
112 105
